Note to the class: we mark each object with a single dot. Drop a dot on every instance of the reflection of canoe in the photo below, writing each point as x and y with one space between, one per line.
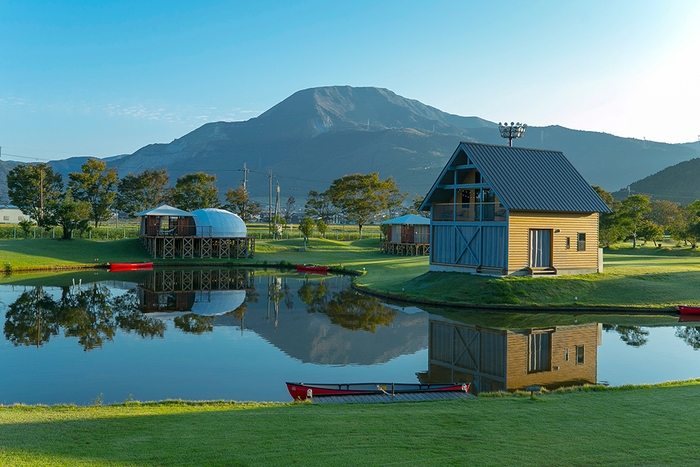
689 310
312 269
301 391
129 266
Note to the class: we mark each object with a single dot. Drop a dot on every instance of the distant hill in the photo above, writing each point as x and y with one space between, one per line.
320 134
678 183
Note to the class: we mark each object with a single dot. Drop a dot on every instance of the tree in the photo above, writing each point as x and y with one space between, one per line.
319 206
71 215
650 231
306 226
238 202
686 226
289 209
195 191
632 214
361 197
147 190
96 185
610 227
321 227
663 213
415 206
32 188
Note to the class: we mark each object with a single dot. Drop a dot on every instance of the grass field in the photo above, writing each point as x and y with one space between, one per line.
643 426
644 278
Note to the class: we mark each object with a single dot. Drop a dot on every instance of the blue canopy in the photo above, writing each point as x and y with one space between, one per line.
408 219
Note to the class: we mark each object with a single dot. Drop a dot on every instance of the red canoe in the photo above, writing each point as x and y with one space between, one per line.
312 269
129 266
689 310
301 391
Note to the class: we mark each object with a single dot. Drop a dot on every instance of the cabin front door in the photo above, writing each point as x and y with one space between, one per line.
540 248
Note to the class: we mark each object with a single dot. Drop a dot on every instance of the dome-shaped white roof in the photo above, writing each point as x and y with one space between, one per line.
218 223
218 302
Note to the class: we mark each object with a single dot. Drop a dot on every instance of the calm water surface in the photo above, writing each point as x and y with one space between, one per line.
240 334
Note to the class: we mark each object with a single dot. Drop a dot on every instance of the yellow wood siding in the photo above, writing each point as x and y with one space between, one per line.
562 371
569 225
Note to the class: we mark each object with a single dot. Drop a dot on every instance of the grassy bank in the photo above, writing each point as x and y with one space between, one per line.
595 427
646 278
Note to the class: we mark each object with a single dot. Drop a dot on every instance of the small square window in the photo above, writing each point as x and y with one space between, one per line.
6 218
579 355
581 244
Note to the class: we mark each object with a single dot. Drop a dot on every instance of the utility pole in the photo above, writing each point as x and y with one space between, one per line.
245 171
269 203
277 203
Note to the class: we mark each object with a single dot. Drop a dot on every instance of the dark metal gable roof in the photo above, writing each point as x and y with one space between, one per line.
530 179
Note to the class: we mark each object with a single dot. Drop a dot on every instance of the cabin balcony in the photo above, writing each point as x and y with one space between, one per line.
469 212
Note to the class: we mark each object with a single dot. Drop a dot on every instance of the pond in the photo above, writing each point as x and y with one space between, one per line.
240 334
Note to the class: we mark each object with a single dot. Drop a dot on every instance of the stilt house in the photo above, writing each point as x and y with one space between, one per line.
168 232
502 210
407 235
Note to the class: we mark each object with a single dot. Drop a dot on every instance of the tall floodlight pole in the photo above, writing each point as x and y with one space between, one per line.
512 131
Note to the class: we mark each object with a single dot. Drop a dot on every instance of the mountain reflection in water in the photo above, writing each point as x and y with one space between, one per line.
239 334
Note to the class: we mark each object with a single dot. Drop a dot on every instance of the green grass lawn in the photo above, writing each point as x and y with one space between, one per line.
643 278
643 426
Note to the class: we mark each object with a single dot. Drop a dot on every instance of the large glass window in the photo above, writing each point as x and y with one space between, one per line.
539 352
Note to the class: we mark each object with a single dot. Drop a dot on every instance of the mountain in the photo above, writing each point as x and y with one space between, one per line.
320 134
678 183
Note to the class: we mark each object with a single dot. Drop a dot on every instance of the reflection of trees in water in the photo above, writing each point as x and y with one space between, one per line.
31 319
91 315
313 293
194 324
88 316
634 336
129 318
691 336
346 308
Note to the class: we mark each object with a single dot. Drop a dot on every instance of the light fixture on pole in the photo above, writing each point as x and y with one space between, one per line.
512 131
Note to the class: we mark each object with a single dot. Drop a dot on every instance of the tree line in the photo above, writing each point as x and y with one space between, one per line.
91 196
637 218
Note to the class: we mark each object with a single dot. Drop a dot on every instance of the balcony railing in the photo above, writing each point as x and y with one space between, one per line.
469 212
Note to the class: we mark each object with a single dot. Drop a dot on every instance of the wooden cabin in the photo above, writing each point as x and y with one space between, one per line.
501 210
495 359
407 235
168 232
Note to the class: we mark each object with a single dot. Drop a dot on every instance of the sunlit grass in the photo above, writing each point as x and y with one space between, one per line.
596 426
654 278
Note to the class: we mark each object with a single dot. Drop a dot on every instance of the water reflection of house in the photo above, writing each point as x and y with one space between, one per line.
203 292
495 359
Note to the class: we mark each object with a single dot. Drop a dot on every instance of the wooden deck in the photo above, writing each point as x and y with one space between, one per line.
382 398
407 249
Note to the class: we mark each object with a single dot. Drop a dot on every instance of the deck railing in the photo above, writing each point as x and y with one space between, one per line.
469 212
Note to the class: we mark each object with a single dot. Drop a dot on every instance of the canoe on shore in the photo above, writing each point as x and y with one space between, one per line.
689 310
129 266
312 269
302 391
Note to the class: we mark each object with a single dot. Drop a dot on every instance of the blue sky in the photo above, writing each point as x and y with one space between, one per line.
107 77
